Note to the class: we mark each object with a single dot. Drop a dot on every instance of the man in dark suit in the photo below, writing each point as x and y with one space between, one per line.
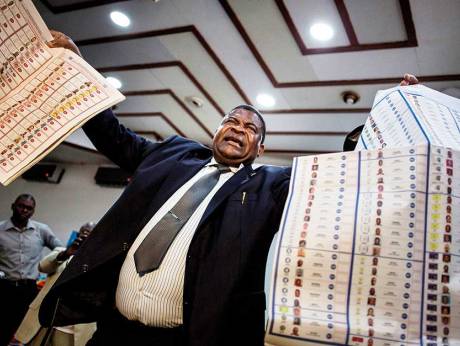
208 288
223 298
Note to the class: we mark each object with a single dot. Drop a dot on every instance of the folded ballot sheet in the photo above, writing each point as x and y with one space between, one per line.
411 115
45 93
369 250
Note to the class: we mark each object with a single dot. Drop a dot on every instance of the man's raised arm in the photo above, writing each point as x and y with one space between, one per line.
119 144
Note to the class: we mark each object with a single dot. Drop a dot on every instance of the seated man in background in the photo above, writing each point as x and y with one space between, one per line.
21 243
30 331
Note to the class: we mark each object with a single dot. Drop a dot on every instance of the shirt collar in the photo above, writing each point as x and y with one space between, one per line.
10 225
232 169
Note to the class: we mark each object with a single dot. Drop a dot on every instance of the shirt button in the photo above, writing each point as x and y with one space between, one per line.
125 246
186 303
189 257
84 267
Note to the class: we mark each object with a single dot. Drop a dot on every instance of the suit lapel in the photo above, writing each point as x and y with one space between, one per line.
181 172
240 178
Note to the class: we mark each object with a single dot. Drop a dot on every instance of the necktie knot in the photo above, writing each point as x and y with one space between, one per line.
222 168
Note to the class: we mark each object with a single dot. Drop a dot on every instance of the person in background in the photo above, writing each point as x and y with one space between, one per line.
21 243
30 332
351 139
180 258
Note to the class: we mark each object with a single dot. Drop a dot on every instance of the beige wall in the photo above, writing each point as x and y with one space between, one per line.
67 205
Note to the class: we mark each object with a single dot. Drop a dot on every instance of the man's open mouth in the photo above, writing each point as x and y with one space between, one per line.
234 140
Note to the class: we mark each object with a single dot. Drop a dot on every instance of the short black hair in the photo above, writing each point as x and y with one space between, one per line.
256 112
351 140
25 196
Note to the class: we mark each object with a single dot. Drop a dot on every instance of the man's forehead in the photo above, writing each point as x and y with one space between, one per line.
25 200
245 114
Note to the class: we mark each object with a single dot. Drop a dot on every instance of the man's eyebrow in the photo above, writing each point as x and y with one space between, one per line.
248 123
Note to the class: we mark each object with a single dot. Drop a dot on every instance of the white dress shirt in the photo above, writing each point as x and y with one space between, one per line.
155 299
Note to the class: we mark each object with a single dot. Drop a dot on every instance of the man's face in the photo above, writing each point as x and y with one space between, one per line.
237 140
23 209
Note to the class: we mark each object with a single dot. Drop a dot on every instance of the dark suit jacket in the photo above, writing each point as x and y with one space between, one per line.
224 277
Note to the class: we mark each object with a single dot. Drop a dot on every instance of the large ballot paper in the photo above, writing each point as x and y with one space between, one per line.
45 94
411 115
369 250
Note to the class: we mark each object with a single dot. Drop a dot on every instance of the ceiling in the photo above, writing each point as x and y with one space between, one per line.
227 52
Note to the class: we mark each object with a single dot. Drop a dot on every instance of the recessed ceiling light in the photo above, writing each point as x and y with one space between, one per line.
321 31
114 82
120 19
350 97
265 100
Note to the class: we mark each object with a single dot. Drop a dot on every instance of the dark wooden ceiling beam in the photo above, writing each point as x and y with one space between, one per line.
408 23
316 110
165 64
410 42
77 6
294 152
153 114
346 21
306 133
176 98
171 31
258 57
354 45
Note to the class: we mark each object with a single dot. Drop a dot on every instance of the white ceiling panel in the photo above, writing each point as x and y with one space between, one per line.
384 17
138 51
309 12
168 106
304 143
314 122
149 123
266 27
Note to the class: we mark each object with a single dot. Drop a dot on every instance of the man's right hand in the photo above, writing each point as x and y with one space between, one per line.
409 79
63 41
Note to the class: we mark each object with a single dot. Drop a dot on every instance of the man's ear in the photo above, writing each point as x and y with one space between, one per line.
261 150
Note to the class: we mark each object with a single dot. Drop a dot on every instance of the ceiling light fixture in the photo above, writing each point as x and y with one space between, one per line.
114 82
194 100
321 31
265 100
120 19
350 97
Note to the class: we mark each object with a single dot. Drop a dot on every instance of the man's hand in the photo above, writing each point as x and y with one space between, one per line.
63 41
408 79
70 251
